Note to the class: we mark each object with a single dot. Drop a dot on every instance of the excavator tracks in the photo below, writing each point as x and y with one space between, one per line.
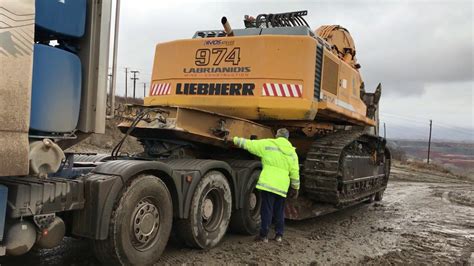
344 167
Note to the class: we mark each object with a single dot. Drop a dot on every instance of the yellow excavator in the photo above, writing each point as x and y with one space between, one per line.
276 72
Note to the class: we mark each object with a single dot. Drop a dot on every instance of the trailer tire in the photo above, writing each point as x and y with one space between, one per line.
210 211
379 195
246 220
140 224
371 199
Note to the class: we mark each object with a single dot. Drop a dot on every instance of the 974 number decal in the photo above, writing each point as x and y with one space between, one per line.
217 55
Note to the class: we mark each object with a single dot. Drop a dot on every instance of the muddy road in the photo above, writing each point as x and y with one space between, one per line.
426 217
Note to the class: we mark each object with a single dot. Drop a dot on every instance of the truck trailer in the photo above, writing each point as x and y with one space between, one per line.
275 72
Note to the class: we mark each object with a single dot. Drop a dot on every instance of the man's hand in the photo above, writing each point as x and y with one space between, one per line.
237 142
293 193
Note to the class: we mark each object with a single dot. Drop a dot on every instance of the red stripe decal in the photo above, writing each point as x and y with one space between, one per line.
282 90
165 87
265 90
160 87
274 89
288 86
160 90
298 90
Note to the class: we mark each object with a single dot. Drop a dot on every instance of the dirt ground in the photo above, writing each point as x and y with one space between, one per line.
425 218
104 143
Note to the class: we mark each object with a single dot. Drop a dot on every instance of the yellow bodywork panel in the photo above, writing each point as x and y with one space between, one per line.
262 77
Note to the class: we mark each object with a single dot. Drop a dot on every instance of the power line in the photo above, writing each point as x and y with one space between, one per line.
420 121
142 70
411 119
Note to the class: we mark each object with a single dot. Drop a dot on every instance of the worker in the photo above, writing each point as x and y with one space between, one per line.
280 171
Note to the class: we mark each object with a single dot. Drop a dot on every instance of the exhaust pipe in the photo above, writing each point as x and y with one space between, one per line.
228 30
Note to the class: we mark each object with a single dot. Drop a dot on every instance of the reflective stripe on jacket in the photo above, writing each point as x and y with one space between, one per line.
279 161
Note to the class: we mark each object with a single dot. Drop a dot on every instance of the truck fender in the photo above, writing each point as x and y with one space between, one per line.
196 169
102 188
243 169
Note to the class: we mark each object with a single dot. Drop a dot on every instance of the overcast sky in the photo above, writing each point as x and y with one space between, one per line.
421 51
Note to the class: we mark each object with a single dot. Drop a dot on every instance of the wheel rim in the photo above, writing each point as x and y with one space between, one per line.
254 203
145 224
252 200
212 210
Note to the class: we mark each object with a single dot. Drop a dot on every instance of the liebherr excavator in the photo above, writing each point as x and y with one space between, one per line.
249 82
276 72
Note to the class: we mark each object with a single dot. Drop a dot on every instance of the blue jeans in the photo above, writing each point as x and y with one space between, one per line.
273 206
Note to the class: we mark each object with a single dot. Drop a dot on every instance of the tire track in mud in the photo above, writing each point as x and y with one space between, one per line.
412 225
438 230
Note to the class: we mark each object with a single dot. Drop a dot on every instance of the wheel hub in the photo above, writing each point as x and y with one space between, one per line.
212 210
252 201
207 209
145 223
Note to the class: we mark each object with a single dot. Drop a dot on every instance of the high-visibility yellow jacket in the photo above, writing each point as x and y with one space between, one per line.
279 161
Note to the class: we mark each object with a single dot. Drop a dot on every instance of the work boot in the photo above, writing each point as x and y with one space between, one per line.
278 238
263 239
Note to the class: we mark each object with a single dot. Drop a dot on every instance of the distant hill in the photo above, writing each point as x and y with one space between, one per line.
456 156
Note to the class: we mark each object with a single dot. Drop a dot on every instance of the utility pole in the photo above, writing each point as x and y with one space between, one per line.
126 82
384 131
110 95
144 90
134 72
429 142
110 85
114 59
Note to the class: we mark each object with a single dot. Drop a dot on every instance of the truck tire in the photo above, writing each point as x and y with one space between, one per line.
379 195
210 211
371 199
140 224
246 220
